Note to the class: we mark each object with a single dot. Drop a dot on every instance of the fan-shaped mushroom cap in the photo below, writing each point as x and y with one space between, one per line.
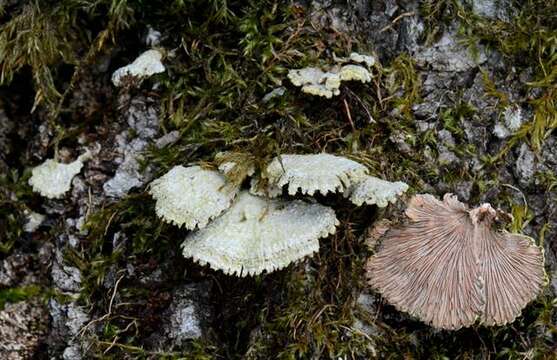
53 179
363 59
258 234
355 72
374 191
311 173
512 272
448 267
191 196
147 64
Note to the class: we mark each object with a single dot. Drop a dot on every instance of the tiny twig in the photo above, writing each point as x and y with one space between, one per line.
371 120
107 315
403 15
109 222
114 294
519 191
347 108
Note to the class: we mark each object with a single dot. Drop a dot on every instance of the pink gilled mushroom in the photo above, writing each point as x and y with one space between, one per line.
448 266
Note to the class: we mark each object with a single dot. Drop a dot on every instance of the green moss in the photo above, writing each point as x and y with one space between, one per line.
547 179
12 295
12 212
46 37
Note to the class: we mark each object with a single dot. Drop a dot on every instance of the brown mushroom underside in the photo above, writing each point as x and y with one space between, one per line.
448 267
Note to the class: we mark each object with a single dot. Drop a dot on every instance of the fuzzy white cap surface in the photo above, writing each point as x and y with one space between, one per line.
375 191
355 73
314 172
52 179
191 196
146 65
258 234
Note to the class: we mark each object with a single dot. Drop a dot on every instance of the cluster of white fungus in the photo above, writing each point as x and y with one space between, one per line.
147 64
52 179
258 234
252 233
315 81
191 196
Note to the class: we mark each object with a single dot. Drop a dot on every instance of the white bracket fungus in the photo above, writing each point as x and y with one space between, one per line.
191 196
52 179
374 191
314 172
258 234
355 57
355 73
362 59
146 65
34 220
449 267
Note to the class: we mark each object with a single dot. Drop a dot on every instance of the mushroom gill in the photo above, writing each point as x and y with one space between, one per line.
449 267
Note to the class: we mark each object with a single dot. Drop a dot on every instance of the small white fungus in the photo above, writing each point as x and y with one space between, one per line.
53 179
310 173
355 57
258 234
191 196
275 93
355 72
362 59
374 191
513 117
34 220
153 37
147 64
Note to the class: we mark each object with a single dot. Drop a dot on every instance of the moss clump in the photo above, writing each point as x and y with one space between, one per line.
15 197
17 294
43 37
